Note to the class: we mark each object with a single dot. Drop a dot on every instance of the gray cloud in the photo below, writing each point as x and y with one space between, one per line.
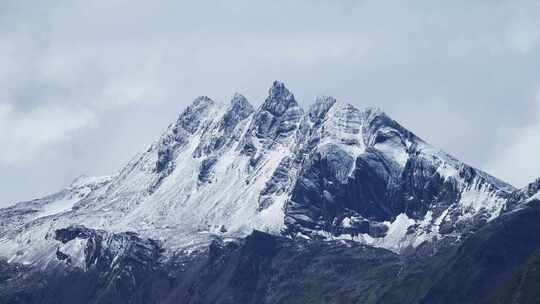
86 85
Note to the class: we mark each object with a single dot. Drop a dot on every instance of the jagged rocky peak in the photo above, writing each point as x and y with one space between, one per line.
240 100
279 99
279 115
190 119
226 129
177 135
342 123
533 188
526 194
201 102
337 123
239 109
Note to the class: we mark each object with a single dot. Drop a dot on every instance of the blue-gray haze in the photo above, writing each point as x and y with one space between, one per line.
87 84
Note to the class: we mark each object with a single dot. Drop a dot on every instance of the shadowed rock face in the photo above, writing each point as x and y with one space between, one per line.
393 173
491 264
114 268
259 269
107 249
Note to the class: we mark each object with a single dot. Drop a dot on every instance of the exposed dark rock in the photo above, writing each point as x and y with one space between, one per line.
205 171
189 122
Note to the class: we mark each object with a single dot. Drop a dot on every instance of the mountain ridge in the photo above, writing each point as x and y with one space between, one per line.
225 169
277 204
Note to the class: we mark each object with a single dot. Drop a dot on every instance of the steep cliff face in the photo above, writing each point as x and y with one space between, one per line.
364 177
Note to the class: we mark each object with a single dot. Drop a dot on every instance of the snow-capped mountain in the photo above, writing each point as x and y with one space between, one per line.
222 170
57 203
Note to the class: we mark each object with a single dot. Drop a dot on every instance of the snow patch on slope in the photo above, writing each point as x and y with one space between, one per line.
58 207
397 233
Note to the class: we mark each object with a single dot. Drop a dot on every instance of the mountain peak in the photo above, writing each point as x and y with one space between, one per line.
239 109
278 87
191 117
279 115
202 101
279 99
532 188
321 106
240 100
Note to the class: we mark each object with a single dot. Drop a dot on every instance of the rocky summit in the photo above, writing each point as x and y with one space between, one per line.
277 204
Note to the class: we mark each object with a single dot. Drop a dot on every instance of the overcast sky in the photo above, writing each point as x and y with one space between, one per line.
85 85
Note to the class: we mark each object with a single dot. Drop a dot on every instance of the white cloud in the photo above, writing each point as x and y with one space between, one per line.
517 160
25 136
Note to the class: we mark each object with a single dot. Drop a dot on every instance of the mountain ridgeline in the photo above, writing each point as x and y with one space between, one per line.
277 204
